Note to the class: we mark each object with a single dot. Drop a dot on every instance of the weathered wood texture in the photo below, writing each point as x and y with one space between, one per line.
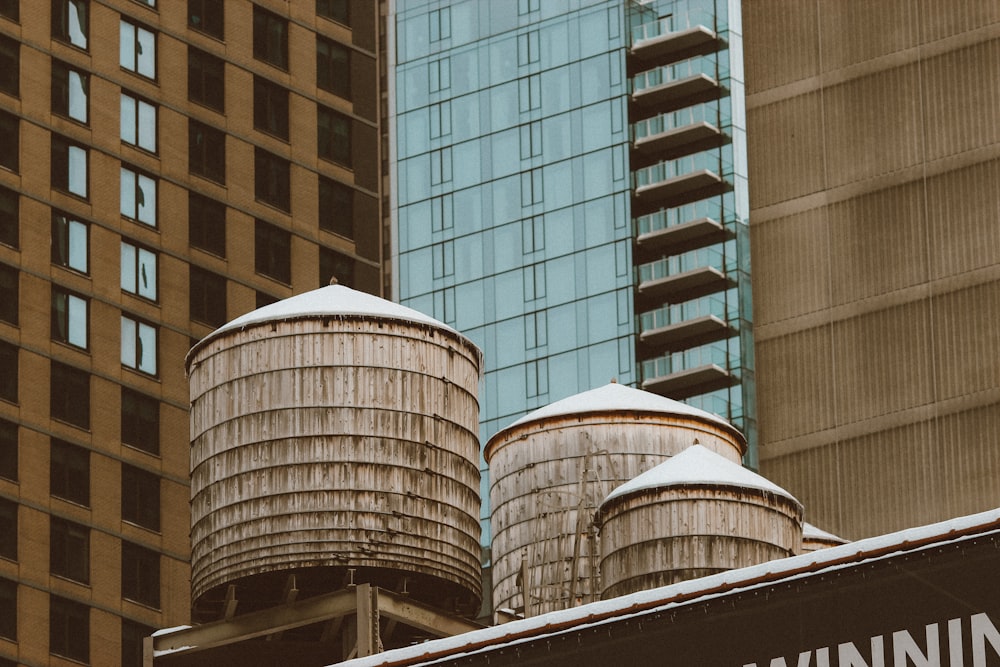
335 443
662 536
548 478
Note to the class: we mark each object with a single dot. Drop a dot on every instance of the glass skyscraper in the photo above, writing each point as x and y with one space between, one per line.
570 193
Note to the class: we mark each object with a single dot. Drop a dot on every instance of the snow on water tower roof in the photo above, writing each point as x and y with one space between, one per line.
328 301
616 397
697 465
811 532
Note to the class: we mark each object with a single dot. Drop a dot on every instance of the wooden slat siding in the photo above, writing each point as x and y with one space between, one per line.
944 19
660 537
535 476
854 31
337 443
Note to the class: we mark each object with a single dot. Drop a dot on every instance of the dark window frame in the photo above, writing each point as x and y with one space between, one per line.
335 10
8 609
208 17
61 317
140 574
10 66
60 166
60 101
270 108
140 497
8 450
206 224
206 79
208 302
69 550
69 628
10 147
69 395
206 151
336 207
132 636
140 421
270 38
335 264
60 22
135 66
69 472
10 211
8 529
62 242
272 180
8 371
10 279
333 136
333 67
273 251
11 9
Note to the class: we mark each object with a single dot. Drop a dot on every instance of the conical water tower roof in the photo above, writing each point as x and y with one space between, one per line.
698 466
329 301
614 397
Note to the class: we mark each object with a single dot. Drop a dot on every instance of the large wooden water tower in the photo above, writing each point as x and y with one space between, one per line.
334 437
550 470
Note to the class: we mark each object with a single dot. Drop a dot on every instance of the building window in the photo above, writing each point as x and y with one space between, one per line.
206 151
338 10
69 395
138 271
270 108
333 67
69 472
69 318
8 529
527 48
533 234
8 609
270 38
529 93
443 259
440 119
206 224
8 450
138 345
334 136
527 6
10 146
140 421
8 372
70 92
264 299
273 252
132 636
272 179
138 122
11 9
531 140
208 297
535 330
333 264
531 187
138 196
140 497
137 49
9 211
440 24
336 207
140 575
442 213
207 16
536 377
9 279
69 242
69 550
441 166
206 79
69 21
69 166
534 281
10 66
69 629
439 74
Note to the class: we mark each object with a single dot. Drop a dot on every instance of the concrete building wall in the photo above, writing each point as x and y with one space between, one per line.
874 149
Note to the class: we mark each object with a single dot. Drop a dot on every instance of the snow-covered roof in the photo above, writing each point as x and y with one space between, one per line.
704 588
329 301
698 465
616 397
811 532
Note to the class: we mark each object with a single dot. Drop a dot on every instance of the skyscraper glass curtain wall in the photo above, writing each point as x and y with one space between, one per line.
529 156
